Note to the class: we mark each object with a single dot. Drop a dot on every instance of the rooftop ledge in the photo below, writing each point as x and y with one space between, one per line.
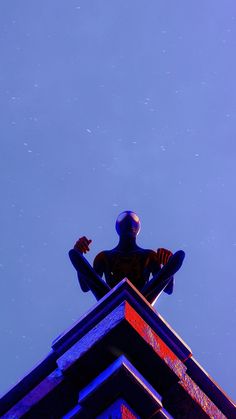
121 323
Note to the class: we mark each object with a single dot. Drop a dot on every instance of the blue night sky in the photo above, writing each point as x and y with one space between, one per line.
105 106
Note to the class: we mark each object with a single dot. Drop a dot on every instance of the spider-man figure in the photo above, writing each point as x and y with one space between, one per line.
127 260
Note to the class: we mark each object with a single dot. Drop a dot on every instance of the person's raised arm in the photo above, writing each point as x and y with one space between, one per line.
82 246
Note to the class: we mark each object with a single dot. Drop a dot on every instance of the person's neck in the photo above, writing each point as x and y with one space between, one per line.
127 243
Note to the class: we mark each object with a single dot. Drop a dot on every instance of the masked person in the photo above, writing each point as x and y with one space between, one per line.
127 260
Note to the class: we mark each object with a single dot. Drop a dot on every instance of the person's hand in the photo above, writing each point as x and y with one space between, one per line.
163 256
82 245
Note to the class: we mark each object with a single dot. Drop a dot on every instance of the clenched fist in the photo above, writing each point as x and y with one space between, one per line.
163 255
82 245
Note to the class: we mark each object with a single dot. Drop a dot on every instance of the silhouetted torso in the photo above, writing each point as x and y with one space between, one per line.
136 265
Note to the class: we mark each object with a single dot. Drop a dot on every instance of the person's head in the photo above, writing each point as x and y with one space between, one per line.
128 224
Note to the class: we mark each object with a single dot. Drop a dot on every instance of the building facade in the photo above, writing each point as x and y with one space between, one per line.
120 360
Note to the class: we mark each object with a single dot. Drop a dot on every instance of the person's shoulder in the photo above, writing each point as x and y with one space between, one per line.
149 252
111 252
101 255
152 254
100 261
